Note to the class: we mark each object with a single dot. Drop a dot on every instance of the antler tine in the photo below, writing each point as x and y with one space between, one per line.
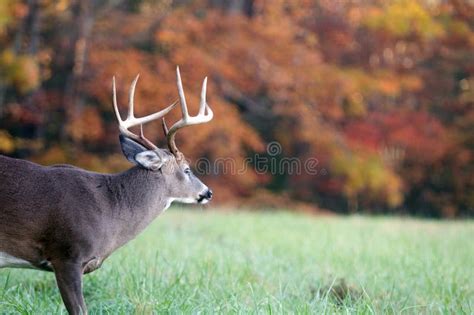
131 96
117 113
165 127
203 104
132 121
182 98
205 114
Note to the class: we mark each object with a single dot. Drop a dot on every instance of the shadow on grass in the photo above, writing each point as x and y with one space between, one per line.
338 292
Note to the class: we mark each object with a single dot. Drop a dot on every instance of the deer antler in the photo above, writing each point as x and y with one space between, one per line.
132 121
205 114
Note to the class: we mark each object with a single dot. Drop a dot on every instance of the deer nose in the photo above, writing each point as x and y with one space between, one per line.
208 194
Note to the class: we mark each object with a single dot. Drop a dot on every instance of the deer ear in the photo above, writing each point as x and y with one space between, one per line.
130 148
151 159
138 154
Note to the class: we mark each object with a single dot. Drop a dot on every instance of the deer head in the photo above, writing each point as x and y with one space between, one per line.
168 166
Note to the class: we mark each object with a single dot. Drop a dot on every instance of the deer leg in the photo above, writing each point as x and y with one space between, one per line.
69 280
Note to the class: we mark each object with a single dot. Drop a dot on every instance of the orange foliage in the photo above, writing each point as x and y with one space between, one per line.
378 92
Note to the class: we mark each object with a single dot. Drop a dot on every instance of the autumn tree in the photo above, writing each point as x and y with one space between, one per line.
378 93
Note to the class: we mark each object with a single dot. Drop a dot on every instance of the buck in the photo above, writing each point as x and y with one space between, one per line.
68 220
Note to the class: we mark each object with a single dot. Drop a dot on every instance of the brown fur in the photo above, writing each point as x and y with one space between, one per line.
68 220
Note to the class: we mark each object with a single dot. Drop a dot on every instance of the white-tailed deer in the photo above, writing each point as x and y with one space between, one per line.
67 220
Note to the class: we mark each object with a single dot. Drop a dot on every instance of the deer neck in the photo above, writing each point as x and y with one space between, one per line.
138 197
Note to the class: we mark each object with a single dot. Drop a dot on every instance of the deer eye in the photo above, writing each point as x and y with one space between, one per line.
187 171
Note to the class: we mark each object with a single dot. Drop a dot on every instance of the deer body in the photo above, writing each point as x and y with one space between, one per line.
49 213
68 220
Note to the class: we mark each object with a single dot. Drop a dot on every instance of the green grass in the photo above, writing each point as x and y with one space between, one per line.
210 262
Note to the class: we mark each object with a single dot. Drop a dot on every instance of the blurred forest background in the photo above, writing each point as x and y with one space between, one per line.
381 92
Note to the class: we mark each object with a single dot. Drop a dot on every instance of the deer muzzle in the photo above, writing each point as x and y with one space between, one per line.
205 197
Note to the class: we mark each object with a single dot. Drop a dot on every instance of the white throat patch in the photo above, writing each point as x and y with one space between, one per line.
168 204
182 200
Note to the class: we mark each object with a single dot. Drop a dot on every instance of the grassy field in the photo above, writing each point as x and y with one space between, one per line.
209 262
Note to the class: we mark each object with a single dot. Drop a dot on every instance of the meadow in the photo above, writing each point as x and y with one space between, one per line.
192 261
